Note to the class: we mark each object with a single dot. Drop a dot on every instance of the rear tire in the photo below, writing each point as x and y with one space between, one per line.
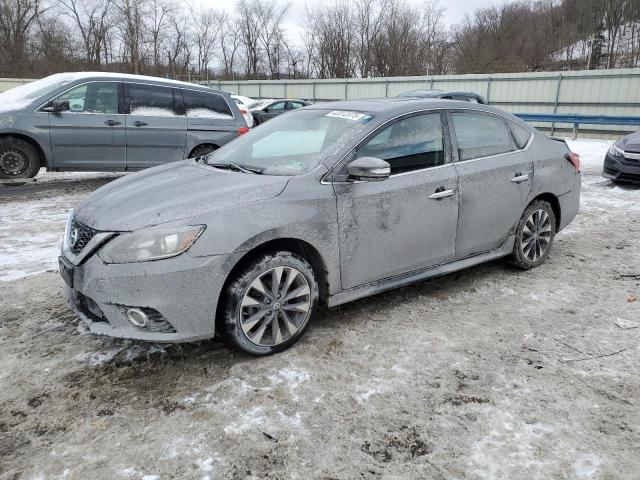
534 235
18 159
268 306
202 150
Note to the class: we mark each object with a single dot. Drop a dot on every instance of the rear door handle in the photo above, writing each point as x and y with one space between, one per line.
520 178
438 194
112 123
138 123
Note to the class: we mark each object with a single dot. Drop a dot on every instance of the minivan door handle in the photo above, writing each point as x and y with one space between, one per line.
138 123
520 178
442 193
112 123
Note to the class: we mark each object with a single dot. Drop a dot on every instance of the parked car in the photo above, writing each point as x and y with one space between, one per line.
329 203
272 108
622 161
102 121
448 95
245 104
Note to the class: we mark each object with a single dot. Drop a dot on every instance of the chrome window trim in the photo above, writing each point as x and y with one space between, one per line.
324 180
38 108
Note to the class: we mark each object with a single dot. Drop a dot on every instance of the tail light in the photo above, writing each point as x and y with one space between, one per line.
242 130
574 158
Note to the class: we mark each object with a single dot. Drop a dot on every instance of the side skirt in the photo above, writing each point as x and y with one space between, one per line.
398 281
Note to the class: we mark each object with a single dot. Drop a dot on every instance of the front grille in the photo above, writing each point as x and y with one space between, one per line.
79 236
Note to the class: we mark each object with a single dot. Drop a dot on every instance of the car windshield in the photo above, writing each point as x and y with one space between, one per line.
293 143
36 89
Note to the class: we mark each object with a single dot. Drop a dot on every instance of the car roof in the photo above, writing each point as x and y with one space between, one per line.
139 78
400 105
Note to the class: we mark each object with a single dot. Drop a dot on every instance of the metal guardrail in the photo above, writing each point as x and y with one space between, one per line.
577 120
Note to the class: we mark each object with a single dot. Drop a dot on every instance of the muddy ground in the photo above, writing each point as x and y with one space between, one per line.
487 373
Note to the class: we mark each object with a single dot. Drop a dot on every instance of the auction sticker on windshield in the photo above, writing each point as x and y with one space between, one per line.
347 115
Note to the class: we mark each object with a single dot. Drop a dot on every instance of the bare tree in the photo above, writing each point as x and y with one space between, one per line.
93 21
17 19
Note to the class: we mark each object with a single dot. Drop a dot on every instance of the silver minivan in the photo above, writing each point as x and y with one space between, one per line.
115 122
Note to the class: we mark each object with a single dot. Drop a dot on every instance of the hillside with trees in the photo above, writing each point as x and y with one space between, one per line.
342 38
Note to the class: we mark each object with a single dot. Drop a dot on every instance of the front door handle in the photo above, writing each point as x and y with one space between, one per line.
442 193
520 178
112 123
138 123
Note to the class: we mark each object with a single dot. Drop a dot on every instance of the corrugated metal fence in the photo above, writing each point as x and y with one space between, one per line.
601 92
595 92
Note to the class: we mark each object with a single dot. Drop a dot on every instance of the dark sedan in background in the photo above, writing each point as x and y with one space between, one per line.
622 162
446 95
273 108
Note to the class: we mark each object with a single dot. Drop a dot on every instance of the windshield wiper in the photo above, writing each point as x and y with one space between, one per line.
235 166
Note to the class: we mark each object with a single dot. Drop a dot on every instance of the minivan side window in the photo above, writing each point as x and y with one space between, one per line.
206 105
411 143
93 97
480 135
149 100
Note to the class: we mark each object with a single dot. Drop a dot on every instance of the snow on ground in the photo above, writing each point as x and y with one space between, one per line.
32 225
486 373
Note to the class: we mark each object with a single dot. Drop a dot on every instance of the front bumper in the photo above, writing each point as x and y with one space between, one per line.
621 171
183 289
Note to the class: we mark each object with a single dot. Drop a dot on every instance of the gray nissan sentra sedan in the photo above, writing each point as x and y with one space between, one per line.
328 203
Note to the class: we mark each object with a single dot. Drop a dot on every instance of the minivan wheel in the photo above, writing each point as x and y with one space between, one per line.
18 159
268 306
202 150
534 235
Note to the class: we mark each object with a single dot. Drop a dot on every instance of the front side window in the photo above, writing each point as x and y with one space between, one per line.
480 135
149 100
94 97
412 143
294 143
206 105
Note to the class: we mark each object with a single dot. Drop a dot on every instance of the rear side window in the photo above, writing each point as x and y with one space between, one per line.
412 143
149 100
521 134
480 135
206 105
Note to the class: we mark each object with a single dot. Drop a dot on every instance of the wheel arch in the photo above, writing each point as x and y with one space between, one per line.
552 200
33 142
294 245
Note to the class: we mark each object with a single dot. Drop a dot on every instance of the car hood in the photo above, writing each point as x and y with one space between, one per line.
172 192
630 143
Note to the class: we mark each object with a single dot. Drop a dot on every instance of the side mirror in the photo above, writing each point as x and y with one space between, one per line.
369 169
57 106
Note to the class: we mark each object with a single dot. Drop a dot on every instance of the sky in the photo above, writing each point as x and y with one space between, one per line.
454 11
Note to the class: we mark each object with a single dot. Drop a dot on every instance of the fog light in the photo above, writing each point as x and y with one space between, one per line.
137 317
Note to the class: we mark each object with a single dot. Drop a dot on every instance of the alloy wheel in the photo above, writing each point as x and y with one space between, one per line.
536 235
275 306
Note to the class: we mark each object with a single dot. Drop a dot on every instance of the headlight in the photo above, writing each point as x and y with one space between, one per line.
616 152
150 244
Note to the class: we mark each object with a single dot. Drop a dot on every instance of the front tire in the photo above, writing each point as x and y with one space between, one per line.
268 306
534 235
18 159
